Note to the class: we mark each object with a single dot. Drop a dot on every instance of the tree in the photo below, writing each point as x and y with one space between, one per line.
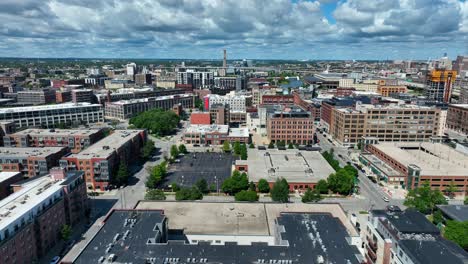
174 151
236 183
66 232
252 186
328 156
322 186
148 149
155 194
251 145
202 185
122 174
182 149
157 174
280 191
271 145
175 187
263 186
157 121
247 196
290 145
437 217
237 148
243 152
465 202
451 190
457 232
226 146
280 144
311 196
424 199
341 182
189 194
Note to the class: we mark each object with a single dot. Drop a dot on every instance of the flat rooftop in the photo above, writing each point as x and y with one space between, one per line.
455 212
28 152
150 99
5 175
239 132
293 165
434 159
236 218
46 107
104 147
57 132
224 129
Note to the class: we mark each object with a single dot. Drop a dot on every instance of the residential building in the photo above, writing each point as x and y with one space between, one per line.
219 114
52 115
36 97
82 95
461 66
126 109
7 178
33 217
409 164
439 85
234 83
197 79
290 125
75 139
30 161
101 161
404 237
277 99
236 102
387 123
457 118
214 134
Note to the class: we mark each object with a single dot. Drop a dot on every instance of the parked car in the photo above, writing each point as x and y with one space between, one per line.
385 199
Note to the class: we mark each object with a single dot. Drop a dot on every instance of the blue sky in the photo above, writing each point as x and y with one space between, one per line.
256 29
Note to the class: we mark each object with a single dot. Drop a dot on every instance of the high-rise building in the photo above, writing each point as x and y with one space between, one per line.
461 66
131 68
439 85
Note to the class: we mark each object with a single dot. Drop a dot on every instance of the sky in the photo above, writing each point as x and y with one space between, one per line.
251 29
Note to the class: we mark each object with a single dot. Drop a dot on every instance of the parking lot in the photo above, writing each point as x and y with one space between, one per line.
213 167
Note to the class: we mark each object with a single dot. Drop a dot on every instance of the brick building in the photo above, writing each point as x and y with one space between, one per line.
277 99
200 118
457 118
290 125
214 134
63 96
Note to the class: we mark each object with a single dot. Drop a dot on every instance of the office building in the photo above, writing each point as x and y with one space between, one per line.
287 236
214 134
387 123
143 79
32 218
197 79
32 97
30 161
126 109
395 236
410 164
53 115
290 125
457 118
82 96
100 161
439 85
75 139
236 102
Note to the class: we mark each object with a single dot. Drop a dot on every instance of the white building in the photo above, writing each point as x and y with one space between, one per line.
236 102
131 69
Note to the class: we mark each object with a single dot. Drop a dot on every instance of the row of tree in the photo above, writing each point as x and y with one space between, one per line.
157 121
238 149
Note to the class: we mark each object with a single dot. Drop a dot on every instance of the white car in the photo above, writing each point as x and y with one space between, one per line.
385 199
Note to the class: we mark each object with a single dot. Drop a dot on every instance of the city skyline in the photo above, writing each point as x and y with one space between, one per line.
281 29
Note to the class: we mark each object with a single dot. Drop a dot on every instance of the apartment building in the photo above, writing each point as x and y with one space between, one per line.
198 79
30 161
126 109
236 102
52 115
75 140
219 114
277 99
230 83
457 118
36 97
32 218
101 161
214 134
393 236
387 123
290 125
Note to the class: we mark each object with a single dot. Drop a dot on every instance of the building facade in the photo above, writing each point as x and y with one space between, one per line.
214 134
294 126
457 118
439 85
82 95
33 97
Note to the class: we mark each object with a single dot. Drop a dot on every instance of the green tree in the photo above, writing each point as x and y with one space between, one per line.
237 148
271 145
122 174
202 185
424 199
280 143
157 121
148 149
251 145
155 194
66 232
156 175
451 190
182 149
290 145
263 186
174 151
457 232
311 196
341 182
328 156
465 202
280 191
252 186
322 186
248 196
236 183
189 194
175 187
226 146
243 152
437 217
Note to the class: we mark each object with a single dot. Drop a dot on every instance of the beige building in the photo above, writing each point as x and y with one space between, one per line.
389 123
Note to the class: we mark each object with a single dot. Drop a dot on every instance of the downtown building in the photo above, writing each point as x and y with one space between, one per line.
439 85
235 101
53 115
214 134
457 118
126 109
100 161
348 126
75 139
290 125
31 219
197 79
36 97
